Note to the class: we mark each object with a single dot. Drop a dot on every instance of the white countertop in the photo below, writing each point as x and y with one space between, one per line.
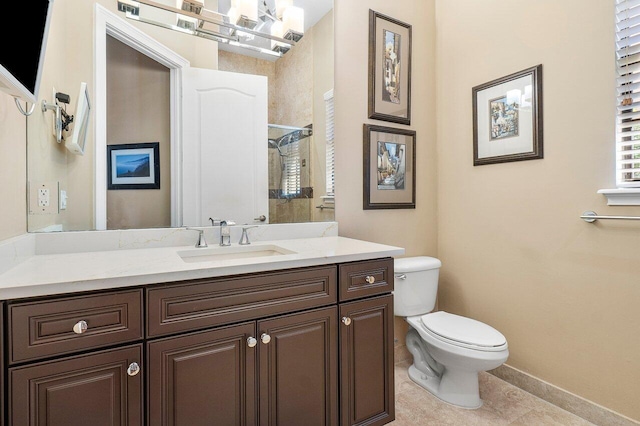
48 274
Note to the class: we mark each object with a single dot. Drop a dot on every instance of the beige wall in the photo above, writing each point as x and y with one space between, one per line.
138 102
13 161
515 254
413 229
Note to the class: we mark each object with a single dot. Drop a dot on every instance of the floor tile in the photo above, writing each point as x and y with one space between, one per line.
503 404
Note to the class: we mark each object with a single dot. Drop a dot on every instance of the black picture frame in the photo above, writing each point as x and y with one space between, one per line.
389 183
507 118
389 69
127 168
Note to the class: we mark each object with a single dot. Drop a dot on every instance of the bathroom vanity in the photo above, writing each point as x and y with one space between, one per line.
302 337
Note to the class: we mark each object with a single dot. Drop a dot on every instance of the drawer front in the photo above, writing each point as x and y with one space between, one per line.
367 278
211 302
53 327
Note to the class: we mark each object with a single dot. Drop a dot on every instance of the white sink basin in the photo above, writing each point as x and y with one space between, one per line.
214 254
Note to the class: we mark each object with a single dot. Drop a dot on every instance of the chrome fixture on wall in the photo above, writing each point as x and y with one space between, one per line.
248 24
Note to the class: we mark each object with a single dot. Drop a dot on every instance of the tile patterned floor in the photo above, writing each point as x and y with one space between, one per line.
504 404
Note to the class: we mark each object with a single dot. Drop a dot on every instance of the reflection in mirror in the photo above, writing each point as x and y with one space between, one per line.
139 103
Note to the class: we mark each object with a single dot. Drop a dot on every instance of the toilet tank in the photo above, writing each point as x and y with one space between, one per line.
415 285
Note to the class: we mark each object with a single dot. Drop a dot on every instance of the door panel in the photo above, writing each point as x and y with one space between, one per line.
78 391
366 360
298 369
225 150
205 378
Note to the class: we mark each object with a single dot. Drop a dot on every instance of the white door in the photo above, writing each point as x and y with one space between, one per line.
224 147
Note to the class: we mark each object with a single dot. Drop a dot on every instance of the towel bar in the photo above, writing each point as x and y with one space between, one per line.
591 217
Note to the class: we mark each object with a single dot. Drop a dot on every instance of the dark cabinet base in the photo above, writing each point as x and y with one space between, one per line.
366 351
91 390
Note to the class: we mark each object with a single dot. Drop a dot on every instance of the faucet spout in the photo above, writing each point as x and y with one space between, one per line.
225 232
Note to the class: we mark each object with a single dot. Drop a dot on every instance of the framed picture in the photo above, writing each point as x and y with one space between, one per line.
389 69
507 118
133 166
389 168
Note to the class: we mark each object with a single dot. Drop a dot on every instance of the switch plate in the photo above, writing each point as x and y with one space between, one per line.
63 199
43 198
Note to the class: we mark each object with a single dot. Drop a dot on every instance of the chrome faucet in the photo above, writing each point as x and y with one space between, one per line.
201 241
244 239
225 231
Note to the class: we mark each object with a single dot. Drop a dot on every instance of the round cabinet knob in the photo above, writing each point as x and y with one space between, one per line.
370 279
133 369
252 342
261 218
346 320
265 338
80 327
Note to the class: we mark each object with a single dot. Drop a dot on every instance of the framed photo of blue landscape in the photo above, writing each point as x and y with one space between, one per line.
507 118
133 166
389 69
389 168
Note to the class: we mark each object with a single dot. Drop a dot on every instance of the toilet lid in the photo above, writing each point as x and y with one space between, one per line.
463 330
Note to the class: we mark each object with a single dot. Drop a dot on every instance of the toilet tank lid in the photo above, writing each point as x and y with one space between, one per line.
415 264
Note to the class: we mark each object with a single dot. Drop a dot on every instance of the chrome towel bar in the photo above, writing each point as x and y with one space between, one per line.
322 207
591 217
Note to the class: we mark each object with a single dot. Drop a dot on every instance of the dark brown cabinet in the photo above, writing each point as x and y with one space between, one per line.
205 378
298 371
101 389
366 362
306 346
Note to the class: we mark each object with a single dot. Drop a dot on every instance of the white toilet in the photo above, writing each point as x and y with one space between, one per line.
448 350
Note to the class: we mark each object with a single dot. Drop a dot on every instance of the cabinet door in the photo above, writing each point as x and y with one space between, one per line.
97 389
366 362
298 369
206 378
2 387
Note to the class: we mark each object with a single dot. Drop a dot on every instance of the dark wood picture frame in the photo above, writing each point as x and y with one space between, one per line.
389 183
143 175
389 74
507 118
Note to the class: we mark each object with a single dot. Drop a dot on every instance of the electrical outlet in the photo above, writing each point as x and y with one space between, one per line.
43 198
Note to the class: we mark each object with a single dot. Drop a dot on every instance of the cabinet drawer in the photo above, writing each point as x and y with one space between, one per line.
46 328
367 278
205 303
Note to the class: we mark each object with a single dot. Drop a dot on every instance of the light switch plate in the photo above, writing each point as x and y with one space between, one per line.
43 198
63 199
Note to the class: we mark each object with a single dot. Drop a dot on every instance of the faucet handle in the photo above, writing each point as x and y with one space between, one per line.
202 243
244 239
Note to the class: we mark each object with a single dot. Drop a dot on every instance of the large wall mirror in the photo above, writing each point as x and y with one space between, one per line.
152 158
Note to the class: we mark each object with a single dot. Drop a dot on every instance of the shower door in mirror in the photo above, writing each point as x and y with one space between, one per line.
224 133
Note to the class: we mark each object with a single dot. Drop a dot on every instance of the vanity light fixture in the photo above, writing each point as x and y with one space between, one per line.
249 24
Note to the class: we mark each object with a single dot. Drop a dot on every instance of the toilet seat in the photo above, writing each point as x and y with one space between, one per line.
463 332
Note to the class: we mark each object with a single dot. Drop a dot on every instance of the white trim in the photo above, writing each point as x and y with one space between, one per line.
107 23
621 197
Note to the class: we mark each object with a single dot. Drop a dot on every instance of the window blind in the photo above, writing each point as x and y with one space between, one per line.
628 93
291 169
330 143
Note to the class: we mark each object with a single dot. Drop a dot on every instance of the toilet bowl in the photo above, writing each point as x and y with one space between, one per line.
448 350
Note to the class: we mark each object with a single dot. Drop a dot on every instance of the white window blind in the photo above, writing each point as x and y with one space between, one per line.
628 86
330 139
291 169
